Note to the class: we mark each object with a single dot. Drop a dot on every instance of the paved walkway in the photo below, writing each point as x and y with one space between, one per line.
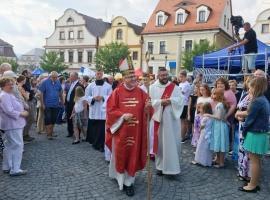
59 170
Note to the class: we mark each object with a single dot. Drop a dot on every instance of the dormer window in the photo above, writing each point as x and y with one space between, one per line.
161 18
203 13
181 16
70 20
202 16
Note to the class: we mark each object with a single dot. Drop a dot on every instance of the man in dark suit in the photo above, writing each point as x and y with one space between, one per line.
74 79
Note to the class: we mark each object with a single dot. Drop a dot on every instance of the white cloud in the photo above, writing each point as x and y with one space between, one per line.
26 23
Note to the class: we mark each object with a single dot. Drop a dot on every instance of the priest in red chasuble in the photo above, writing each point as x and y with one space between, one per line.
126 130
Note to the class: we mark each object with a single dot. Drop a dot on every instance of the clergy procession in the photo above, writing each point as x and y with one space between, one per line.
140 122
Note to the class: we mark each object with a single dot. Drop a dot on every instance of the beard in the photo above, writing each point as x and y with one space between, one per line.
163 81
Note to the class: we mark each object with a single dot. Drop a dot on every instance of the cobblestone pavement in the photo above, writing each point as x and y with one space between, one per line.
59 170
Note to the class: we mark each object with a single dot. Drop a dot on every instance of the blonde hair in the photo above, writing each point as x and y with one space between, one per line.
5 80
259 85
79 92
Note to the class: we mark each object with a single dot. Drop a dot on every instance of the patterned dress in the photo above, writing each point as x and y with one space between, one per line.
196 133
243 160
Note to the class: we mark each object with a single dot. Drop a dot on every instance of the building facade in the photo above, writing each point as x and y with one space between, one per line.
175 26
76 38
262 26
31 59
122 31
6 50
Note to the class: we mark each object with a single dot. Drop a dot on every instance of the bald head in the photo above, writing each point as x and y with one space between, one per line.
5 67
259 73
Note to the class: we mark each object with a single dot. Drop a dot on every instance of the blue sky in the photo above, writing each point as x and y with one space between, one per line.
26 23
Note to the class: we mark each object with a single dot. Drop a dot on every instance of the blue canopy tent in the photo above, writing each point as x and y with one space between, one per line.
37 71
223 60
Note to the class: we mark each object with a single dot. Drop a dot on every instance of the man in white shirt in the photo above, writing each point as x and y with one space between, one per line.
186 91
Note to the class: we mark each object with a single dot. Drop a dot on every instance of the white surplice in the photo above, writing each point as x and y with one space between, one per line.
98 110
168 155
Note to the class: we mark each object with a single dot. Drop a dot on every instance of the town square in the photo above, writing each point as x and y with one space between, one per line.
146 99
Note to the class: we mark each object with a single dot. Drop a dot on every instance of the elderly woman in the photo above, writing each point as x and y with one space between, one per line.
12 122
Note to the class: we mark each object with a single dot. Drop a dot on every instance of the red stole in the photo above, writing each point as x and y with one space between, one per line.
166 94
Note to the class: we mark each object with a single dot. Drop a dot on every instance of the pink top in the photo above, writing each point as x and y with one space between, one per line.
10 110
230 98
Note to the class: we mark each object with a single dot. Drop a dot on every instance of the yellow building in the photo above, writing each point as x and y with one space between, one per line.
125 32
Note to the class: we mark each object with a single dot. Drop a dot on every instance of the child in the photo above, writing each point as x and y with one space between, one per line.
192 109
79 115
220 137
203 155
197 126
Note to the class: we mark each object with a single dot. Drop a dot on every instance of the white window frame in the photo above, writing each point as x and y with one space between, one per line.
69 34
153 50
263 30
186 45
165 49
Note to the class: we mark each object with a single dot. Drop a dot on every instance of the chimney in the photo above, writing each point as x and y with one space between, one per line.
143 25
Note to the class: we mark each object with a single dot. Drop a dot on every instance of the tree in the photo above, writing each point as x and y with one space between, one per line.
199 48
12 62
108 57
52 61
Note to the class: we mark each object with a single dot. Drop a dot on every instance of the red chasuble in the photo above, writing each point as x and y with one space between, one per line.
130 140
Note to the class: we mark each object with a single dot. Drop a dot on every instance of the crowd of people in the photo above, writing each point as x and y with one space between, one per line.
125 117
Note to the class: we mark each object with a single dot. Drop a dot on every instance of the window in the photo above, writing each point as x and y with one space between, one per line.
62 55
160 20
202 16
70 19
90 56
135 55
162 47
80 56
70 35
80 34
180 18
70 56
202 41
225 20
61 35
188 45
119 34
265 28
150 47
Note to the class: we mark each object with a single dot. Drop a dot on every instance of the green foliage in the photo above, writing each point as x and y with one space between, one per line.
13 63
108 57
198 49
51 61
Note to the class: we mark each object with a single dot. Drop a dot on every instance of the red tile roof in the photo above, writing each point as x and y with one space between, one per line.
170 6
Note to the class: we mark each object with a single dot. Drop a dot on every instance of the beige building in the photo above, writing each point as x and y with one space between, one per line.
175 26
125 32
262 26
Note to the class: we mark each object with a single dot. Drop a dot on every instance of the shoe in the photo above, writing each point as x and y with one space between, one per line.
242 189
219 166
20 173
194 162
28 138
69 136
77 142
50 137
130 191
230 153
6 171
159 173
184 140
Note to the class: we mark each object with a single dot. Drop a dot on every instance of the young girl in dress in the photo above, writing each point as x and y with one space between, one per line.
197 126
220 137
203 155
192 113
79 115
